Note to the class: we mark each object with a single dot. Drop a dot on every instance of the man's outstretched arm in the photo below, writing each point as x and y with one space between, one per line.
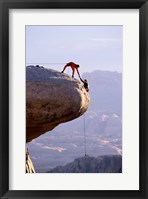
65 67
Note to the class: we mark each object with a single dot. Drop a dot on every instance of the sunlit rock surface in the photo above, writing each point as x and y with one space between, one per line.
52 98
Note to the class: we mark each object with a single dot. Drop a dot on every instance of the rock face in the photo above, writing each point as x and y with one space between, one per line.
101 164
29 164
51 98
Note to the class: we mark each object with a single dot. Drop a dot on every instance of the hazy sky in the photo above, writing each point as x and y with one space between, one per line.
92 47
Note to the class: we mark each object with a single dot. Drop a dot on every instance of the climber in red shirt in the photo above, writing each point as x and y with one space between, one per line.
73 67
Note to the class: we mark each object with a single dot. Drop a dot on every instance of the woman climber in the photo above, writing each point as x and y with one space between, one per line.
73 67
85 82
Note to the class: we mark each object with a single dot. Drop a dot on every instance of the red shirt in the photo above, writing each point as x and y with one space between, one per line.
73 66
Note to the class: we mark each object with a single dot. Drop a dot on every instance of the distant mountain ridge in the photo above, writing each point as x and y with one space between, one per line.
87 164
105 91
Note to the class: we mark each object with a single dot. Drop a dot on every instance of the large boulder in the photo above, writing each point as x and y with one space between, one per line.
52 98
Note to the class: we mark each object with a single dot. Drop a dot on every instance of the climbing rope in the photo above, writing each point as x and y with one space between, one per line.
84 136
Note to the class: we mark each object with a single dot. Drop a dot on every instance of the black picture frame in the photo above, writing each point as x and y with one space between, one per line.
5 5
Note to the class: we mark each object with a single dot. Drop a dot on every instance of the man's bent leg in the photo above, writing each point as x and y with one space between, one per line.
73 71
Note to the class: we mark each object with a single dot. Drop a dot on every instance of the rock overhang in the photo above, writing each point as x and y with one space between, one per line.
52 98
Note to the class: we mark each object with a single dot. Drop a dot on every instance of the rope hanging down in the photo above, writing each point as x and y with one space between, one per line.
84 137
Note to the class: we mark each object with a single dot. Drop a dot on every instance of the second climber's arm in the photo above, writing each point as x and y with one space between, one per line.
82 80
